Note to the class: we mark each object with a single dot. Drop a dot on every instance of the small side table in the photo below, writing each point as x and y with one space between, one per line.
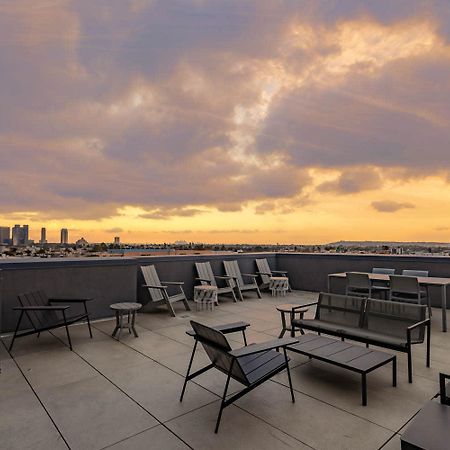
205 296
279 286
292 309
129 309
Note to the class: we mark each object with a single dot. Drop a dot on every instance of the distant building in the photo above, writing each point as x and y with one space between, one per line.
64 236
5 235
117 240
43 240
82 242
20 235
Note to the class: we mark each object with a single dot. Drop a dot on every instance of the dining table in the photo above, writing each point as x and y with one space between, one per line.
440 282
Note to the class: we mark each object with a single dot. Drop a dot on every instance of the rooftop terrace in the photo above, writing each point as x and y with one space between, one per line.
110 394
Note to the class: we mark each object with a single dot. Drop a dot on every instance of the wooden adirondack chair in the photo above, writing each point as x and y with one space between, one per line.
265 272
232 270
158 290
207 277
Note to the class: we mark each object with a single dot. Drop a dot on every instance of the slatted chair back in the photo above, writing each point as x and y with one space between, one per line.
356 280
401 284
38 319
340 309
217 348
151 278
205 272
393 318
263 269
383 271
232 270
415 273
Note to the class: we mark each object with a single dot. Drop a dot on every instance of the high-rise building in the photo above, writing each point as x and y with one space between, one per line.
5 236
64 236
43 236
20 235
117 240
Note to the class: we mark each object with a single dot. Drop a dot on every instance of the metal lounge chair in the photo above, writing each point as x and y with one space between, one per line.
359 285
44 315
158 290
383 271
207 277
407 289
232 270
265 272
250 365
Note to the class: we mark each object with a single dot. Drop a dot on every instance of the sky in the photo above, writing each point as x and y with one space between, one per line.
257 121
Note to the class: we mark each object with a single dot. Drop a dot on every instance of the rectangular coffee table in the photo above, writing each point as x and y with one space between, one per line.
352 357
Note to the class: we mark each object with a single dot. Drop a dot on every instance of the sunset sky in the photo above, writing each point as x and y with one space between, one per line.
226 120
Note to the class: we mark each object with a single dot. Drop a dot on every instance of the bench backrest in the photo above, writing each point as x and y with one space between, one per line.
264 269
151 277
340 309
217 348
38 319
205 272
393 318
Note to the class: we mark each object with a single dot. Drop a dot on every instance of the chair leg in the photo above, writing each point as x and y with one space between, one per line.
428 344
258 292
409 365
240 294
15 331
289 374
224 396
88 321
170 308
245 337
188 370
67 331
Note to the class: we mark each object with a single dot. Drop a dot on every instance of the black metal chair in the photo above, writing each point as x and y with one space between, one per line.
44 316
250 365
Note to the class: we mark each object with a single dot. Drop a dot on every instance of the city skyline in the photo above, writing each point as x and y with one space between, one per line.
259 121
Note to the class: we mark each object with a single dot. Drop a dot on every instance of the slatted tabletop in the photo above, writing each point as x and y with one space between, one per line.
345 355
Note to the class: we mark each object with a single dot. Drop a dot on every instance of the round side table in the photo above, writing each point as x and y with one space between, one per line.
205 296
279 286
292 309
129 309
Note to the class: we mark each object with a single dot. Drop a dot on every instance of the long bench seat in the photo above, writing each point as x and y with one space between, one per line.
387 324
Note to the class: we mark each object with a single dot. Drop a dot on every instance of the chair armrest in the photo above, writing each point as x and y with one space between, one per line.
249 275
174 283
279 271
445 400
204 279
69 300
263 347
222 277
154 286
226 328
41 308
419 324
264 273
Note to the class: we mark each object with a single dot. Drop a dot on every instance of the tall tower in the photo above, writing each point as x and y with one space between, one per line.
20 235
117 240
43 236
64 236
5 235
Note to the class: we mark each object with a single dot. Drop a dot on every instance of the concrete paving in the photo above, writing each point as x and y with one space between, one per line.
124 395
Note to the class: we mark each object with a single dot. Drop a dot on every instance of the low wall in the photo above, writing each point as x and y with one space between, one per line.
109 280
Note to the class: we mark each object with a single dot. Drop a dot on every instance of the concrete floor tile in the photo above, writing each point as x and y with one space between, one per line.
156 438
93 413
238 430
158 390
316 423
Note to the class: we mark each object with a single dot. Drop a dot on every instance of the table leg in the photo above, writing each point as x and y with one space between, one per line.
133 320
120 324
394 371
364 389
444 307
117 324
129 321
283 324
292 326
328 283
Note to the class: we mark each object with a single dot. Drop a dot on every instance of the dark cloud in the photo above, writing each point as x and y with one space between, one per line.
390 206
114 103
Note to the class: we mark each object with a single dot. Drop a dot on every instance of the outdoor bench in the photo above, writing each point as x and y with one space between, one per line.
388 324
